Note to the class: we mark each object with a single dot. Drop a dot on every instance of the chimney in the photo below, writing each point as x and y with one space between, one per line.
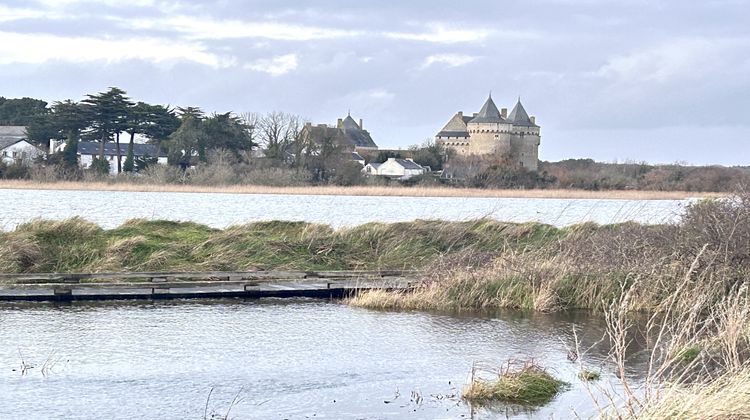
475 114
361 126
339 123
460 113
321 125
504 112
308 124
533 119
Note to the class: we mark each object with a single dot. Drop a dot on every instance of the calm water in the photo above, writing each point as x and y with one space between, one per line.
282 359
111 208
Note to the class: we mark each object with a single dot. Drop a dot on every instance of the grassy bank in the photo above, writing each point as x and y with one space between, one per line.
690 278
399 191
75 245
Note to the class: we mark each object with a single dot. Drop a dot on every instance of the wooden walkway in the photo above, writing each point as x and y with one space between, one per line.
213 284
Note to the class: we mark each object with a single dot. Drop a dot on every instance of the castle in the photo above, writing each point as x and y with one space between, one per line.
494 132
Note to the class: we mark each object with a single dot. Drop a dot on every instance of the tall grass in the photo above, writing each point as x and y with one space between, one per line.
75 245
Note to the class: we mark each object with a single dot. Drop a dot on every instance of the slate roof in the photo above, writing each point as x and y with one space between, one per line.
456 127
350 124
518 116
8 141
488 114
110 149
407 164
352 137
375 165
11 134
357 156
453 134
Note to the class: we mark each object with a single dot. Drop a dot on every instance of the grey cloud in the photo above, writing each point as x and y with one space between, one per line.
597 74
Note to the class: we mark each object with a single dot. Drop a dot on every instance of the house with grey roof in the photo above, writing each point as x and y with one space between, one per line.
347 133
494 131
395 168
88 150
14 146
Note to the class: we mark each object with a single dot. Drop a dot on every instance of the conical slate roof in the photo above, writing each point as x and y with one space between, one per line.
518 116
350 124
488 113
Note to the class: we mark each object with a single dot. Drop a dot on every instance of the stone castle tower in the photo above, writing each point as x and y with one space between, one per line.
491 131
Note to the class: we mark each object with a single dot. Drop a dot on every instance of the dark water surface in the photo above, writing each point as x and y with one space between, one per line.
295 359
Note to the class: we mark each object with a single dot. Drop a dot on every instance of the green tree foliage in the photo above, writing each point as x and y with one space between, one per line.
198 134
109 112
129 165
21 111
229 132
430 154
100 166
187 141
384 155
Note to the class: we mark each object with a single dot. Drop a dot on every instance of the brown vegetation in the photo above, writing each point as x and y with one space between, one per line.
130 184
691 279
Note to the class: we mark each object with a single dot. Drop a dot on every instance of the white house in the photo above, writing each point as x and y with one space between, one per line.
395 168
14 149
371 168
88 150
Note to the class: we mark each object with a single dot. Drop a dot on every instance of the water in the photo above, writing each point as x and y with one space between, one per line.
111 208
282 359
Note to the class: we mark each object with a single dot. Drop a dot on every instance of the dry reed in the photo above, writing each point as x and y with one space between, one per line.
398 191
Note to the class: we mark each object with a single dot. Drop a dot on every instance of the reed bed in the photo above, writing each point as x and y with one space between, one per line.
129 184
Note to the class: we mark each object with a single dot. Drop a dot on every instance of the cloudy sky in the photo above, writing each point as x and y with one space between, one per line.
645 80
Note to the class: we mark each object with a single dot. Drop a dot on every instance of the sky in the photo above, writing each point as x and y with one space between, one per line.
659 81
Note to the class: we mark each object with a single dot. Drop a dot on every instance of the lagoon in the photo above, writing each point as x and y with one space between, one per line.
111 208
293 359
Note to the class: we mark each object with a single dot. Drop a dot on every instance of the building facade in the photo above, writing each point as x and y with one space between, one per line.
347 133
87 151
493 131
395 168
14 147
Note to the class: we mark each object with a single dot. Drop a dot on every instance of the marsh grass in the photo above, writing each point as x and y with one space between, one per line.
521 383
136 184
76 245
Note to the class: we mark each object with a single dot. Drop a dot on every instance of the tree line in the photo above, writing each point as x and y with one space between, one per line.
187 134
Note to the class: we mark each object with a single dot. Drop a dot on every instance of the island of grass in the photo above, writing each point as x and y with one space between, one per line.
527 385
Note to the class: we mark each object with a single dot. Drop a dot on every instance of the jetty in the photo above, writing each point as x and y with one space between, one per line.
209 284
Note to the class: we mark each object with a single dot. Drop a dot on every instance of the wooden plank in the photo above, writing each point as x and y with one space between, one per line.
223 275
190 284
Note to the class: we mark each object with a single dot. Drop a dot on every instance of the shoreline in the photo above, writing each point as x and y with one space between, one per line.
378 191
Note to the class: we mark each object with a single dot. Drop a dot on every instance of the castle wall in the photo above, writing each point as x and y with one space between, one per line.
520 143
489 138
525 150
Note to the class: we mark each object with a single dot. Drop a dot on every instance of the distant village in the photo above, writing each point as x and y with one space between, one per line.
108 136
490 131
